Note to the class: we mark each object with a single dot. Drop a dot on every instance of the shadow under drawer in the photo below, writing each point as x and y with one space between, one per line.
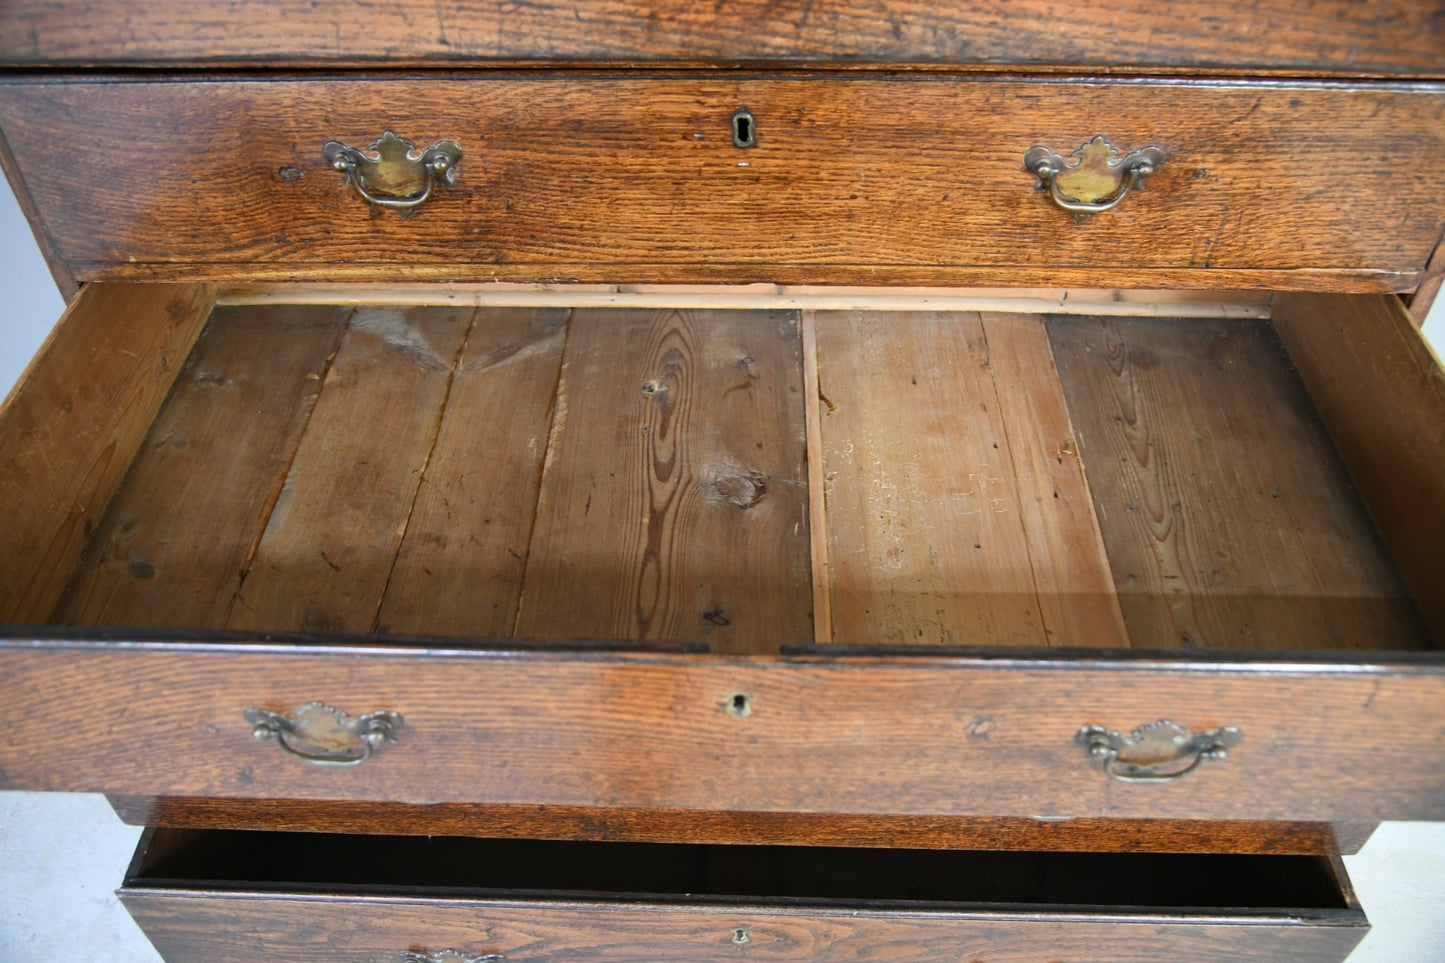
229 895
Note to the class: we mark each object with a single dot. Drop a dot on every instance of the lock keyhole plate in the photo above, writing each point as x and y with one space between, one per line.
745 129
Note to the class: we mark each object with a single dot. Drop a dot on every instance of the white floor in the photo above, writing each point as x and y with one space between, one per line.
61 856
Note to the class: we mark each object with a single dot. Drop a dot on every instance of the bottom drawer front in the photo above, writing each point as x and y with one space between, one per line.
220 896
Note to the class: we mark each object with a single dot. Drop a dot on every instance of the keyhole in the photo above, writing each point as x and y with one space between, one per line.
744 129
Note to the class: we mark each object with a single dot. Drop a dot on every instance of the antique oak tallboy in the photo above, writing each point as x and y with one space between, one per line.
770 481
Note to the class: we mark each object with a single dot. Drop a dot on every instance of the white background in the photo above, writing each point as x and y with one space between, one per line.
61 856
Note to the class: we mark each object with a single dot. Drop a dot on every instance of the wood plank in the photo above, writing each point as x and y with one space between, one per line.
817 504
925 536
824 192
1066 550
1381 36
181 531
1381 392
673 502
72 425
459 571
1229 519
1238 304
332 538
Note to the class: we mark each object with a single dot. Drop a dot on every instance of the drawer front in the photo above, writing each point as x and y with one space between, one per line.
1381 36
224 929
915 179
927 736
209 896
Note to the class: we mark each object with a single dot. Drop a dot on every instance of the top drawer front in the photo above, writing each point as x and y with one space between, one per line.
1380 36
638 179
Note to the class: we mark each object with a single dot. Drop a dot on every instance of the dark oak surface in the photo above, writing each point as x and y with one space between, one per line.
1380 36
223 929
1000 834
898 735
636 177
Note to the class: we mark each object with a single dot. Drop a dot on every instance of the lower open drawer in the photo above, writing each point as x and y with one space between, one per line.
213 896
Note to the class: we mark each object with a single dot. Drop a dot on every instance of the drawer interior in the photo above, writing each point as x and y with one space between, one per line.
744 481
328 863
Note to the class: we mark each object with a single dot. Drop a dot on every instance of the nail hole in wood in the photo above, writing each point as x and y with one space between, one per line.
745 132
740 704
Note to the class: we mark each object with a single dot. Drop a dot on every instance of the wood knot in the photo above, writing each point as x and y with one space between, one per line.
740 489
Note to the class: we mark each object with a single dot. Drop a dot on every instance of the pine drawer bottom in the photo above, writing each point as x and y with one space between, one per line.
217 895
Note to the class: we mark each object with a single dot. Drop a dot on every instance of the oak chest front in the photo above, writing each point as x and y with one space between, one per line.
854 437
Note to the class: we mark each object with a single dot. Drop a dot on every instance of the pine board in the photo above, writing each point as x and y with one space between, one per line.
459 571
217 452
673 502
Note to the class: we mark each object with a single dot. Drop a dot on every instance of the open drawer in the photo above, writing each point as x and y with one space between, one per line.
843 554
211 895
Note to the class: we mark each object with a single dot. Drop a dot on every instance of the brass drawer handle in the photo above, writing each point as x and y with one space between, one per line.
448 956
1098 178
334 737
394 172
1159 752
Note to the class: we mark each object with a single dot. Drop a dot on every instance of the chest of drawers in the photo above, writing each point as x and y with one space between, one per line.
739 447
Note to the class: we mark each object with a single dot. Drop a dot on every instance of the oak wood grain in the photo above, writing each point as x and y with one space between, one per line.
1071 572
459 569
934 736
753 828
181 531
1229 519
637 177
926 541
73 423
1382 36
331 539
1380 390
190 927
249 275
673 501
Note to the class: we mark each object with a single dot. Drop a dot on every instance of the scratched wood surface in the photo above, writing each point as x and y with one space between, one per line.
673 504
332 537
902 734
1360 357
635 178
1381 36
459 570
180 533
957 512
199 927
1229 518
73 423
1076 593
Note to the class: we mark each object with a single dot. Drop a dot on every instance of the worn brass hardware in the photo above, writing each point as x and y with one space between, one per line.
447 956
1097 179
394 172
330 736
1159 752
